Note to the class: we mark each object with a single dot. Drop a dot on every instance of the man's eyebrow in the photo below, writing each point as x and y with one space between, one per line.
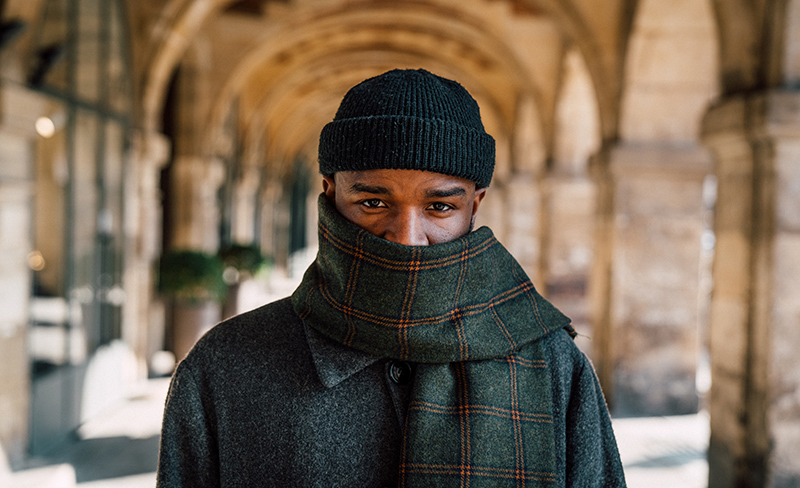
363 188
447 192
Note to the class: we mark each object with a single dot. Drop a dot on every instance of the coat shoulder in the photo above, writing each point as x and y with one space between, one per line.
561 351
272 327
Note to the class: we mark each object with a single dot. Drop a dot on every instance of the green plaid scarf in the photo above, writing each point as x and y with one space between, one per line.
481 406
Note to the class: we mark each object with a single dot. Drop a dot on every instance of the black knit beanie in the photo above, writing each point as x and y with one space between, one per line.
408 119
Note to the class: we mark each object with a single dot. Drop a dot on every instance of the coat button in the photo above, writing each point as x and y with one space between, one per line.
400 372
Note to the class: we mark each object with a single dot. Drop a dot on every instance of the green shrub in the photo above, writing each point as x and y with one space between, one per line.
244 258
191 276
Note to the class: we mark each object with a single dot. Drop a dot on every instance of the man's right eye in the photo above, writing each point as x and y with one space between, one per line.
373 203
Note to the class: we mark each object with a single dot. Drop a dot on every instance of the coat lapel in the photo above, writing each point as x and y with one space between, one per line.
335 362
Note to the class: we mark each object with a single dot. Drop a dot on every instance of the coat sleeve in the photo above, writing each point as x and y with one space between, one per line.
188 456
585 439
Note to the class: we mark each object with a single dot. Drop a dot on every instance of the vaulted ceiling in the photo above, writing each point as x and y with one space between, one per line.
287 64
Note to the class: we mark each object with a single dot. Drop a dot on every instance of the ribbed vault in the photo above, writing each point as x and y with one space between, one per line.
292 61
290 82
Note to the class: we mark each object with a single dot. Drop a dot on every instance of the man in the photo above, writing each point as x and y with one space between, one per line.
415 352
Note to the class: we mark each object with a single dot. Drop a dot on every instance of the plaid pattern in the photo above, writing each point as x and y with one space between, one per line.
481 407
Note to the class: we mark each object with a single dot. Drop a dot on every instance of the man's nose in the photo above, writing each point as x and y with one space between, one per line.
407 228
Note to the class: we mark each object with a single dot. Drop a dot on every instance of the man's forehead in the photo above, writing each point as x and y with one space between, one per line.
386 179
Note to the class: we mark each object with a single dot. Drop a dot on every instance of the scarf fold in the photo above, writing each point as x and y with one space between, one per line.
466 313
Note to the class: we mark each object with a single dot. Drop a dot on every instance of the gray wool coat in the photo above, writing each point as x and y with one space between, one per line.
264 400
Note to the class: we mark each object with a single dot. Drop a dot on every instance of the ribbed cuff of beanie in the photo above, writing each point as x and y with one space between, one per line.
403 142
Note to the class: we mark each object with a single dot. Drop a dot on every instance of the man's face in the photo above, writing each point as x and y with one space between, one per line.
410 207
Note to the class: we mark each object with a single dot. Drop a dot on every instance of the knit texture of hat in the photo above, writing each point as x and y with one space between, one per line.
408 119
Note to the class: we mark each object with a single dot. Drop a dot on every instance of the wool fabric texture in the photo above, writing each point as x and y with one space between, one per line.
464 311
408 119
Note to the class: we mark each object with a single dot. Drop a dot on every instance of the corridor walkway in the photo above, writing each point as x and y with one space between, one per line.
119 449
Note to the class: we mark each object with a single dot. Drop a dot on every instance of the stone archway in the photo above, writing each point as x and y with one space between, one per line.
653 213
180 20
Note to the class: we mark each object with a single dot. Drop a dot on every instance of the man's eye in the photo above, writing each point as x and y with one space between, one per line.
373 203
440 207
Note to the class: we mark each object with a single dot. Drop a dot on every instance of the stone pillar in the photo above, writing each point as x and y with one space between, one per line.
20 108
143 327
568 243
647 273
195 175
195 182
244 208
755 311
268 198
523 203
15 218
523 191
492 212
280 225
600 274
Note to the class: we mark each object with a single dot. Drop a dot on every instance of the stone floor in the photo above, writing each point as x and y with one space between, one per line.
119 449
664 452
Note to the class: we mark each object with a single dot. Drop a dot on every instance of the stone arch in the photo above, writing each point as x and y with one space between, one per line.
577 131
347 48
177 25
578 33
670 71
180 20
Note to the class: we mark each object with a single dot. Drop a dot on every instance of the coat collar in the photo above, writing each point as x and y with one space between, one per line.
335 362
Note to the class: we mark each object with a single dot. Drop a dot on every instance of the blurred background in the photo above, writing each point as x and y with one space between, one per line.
158 173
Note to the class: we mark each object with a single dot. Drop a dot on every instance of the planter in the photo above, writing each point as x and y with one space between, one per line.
193 284
190 320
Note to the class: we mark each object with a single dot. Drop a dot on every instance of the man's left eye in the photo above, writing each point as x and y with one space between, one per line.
440 207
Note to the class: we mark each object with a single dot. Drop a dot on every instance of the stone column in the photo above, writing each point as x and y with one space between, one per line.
196 175
20 108
244 207
647 275
568 243
599 286
268 198
523 191
143 324
523 204
492 212
755 310
195 182
15 218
